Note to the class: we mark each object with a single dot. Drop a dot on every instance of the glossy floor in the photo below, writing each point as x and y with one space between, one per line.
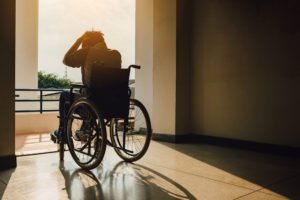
168 171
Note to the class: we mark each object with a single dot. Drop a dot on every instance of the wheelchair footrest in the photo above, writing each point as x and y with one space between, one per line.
54 137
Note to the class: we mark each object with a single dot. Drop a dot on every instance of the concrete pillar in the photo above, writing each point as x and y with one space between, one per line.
144 53
183 67
162 46
7 84
26 43
164 67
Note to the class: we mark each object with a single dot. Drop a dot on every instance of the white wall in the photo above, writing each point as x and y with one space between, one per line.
233 72
164 67
156 52
245 71
144 53
26 43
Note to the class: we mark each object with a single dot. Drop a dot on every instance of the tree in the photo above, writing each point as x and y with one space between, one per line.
52 81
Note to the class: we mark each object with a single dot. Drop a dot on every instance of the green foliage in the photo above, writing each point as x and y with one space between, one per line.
52 81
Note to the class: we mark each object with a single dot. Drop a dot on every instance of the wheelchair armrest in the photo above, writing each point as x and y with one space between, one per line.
135 66
77 85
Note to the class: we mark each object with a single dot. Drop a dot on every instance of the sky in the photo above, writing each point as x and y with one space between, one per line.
61 22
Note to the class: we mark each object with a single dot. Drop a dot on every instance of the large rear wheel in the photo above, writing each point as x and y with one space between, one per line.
131 138
86 134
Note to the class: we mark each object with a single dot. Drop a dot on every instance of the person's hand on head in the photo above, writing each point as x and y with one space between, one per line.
85 39
84 36
81 37
90 38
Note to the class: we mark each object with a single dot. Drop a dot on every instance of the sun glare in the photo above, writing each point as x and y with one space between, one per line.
62 22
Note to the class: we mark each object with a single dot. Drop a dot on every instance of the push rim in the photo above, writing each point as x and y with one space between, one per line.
86 134
136 133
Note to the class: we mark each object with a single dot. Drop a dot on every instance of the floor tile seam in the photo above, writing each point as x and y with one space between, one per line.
274 195
247 194
204 177
277 182
265 187
257 191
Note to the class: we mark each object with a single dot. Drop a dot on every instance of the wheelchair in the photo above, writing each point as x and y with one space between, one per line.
104 107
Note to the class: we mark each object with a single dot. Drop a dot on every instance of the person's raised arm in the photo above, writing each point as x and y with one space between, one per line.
74 56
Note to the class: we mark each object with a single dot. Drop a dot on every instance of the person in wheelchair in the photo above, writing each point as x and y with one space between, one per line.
102 105
88 50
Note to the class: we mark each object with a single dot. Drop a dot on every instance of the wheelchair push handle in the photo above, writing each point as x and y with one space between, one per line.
135 66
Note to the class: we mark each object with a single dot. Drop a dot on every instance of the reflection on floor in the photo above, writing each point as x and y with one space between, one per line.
34 143
168 171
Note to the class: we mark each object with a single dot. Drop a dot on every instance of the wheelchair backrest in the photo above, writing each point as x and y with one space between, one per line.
109 91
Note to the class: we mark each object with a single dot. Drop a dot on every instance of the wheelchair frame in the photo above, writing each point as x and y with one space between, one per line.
112 123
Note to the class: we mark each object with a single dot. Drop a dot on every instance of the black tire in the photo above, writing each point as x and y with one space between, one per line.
139 129
86 134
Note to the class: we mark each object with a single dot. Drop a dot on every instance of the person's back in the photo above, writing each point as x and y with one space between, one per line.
100 57
88 51
93 51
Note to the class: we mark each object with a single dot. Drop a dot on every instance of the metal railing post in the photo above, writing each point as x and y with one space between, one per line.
41 101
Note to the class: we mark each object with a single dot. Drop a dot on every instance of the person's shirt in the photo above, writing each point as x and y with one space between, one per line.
99 56
96 56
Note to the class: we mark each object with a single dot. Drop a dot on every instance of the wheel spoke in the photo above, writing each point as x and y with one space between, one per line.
87 143
137 136
84 129
87 154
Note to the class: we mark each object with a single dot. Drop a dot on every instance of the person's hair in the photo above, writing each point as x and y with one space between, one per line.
95 37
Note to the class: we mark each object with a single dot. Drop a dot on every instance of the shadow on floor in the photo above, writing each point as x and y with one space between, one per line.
279 174
122 181
5 176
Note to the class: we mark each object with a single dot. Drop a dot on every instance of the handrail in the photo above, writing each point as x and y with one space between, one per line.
41 99
39 89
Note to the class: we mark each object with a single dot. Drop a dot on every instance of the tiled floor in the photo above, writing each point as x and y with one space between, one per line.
168 171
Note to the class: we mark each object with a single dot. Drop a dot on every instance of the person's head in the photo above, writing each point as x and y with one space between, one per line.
92 38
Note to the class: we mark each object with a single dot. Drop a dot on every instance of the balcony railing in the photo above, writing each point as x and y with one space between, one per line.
41 99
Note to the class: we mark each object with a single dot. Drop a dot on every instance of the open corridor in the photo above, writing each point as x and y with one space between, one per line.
168 171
